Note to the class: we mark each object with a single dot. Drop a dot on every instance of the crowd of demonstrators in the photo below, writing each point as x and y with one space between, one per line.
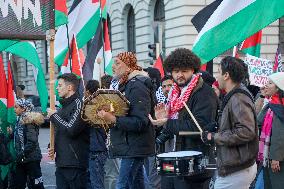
188 88
28 153
132 136
245 131
236 138
271 122
71 136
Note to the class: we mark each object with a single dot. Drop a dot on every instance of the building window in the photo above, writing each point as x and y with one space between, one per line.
131 41
159 12
159 19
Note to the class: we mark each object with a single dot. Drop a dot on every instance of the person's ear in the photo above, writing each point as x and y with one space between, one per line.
226 76
70 87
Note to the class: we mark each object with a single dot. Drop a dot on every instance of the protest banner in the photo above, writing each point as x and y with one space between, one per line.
259 69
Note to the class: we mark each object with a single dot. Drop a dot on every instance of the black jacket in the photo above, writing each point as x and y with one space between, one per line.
203 105
29 124
133 135
71 134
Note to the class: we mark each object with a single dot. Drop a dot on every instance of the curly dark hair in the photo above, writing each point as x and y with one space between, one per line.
92 86
235 67
182 58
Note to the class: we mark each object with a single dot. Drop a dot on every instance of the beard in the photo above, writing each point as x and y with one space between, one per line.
181 85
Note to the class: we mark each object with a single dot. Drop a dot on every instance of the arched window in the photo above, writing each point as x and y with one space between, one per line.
159 17
131 34
159 12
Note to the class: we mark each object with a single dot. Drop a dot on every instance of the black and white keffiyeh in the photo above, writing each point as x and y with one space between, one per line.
23 103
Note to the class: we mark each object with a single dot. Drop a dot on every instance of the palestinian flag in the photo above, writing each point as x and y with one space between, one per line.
5 43
60 13
91 67
103 8
3 97
108 61
77 59
11 96
168 167
83 21
159 65
7 114
28 52
73 65
251 45
3 110
230 23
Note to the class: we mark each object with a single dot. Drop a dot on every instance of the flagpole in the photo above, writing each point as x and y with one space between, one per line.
103 35
51 37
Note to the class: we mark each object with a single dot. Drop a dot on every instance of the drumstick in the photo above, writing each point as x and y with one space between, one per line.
183 133
193 118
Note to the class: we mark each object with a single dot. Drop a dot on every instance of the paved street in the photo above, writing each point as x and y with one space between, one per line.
47 166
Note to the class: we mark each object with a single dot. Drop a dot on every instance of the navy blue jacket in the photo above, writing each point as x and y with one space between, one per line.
133 135
97 140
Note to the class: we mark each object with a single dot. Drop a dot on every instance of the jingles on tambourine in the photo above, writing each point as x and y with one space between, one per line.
104 99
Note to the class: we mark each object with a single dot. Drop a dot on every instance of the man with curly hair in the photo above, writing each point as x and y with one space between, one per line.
188 88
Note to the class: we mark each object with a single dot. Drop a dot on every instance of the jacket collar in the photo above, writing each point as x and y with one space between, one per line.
132 75
69 100
137 73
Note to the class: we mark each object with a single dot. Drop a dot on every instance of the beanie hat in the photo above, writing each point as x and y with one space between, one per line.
278 79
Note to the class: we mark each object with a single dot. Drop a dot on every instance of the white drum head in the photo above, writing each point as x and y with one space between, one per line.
179 154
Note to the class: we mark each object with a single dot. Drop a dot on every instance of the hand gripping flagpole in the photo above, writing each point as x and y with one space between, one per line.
51 37
194 120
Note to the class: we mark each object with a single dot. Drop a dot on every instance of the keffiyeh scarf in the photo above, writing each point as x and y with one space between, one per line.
177 96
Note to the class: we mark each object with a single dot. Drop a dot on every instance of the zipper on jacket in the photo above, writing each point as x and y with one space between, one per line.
72 149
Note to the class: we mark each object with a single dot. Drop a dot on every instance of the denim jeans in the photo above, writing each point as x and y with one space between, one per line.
151 178
131 174
112 167
96 169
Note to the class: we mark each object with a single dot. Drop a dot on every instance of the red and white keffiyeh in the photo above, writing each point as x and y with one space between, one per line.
178 96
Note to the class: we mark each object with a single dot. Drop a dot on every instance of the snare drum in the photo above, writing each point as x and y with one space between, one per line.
181 163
